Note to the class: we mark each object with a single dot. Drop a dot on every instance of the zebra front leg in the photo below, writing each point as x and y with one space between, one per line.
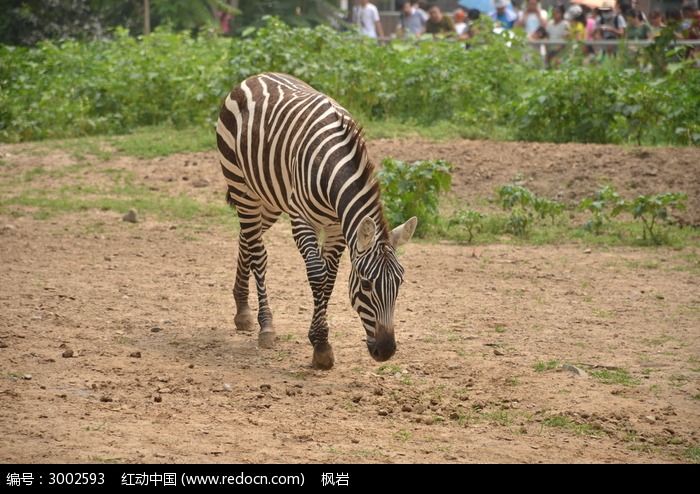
307 243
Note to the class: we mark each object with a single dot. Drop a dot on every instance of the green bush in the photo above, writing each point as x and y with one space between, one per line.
652 208
523 204
602 205
468 220
113 86
413 189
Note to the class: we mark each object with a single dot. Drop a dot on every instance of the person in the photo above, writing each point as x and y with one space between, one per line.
657 23
690 26
532 18
577 23
439 24
366 16
636 27
557 30
412 19
460 17
502 15
610 23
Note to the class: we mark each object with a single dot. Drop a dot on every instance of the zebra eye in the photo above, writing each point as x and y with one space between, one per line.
366 285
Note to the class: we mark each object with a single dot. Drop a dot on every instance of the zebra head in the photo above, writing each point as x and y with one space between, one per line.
375 278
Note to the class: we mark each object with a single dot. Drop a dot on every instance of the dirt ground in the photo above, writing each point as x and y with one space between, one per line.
491 339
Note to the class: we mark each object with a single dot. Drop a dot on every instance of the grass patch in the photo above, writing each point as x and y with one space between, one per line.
149 142
43 204
692 454
614 376
500 417
438 131
144 142
402 435
388 369
542 366
563 422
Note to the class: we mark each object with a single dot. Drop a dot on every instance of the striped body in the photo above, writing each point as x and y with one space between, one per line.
285 147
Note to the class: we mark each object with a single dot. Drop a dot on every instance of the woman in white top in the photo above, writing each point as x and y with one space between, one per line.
532 18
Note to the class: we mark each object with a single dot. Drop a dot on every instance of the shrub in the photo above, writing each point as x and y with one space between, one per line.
413 189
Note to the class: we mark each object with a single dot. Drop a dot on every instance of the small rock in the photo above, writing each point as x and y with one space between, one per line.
291 392
499 352
131 216
8 228
428 420
156 329
106 399
356 398
67 353
27 377
434 401
157 398
191 366
378 391
165 391
3 344
163 379
587 251
354 440
200 183
420 408
650 419
227 387
575 370
265 387
454 416
407 408
135 355
383 413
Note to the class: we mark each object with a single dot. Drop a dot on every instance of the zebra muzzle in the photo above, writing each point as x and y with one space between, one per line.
384 345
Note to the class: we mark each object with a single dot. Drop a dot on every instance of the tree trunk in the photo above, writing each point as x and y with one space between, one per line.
146 17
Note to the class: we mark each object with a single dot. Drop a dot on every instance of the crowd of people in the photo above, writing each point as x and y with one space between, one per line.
566 21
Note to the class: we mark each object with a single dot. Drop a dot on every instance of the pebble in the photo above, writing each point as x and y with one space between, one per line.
67 353
131 216
157 398
265 387
135 355
105 399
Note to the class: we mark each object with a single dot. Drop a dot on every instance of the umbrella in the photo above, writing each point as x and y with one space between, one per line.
485 6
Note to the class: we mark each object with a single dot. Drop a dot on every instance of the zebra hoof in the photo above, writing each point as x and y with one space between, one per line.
323 357
244 321
266 339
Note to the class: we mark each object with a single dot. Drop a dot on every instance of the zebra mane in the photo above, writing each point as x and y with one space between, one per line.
357 132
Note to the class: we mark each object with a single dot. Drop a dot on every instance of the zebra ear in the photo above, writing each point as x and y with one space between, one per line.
403 233
366 234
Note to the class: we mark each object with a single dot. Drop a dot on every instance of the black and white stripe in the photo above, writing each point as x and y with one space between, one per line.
285 147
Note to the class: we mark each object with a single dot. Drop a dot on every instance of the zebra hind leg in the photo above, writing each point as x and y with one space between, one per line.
244 318
254 221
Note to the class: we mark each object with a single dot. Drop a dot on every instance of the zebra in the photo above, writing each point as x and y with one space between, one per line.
285 147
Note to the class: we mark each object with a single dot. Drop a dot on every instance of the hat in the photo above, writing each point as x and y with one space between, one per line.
606 5
574 12
501 4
